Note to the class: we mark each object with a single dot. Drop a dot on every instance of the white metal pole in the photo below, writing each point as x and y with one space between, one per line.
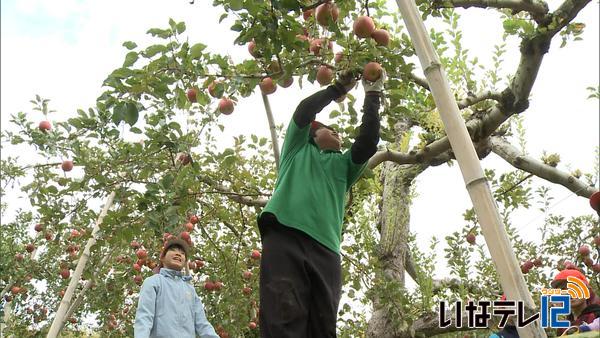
497 240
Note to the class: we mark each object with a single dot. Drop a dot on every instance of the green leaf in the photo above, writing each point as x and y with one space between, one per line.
130 59
222 17
235 5
129 45
180 27
196 50
154 49
161 33
118 113
237 27
131 113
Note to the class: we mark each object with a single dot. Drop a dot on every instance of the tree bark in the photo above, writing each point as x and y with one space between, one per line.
392 250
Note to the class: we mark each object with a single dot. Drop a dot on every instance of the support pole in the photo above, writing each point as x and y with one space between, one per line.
502 253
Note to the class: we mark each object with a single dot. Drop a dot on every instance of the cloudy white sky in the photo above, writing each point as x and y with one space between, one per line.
64 49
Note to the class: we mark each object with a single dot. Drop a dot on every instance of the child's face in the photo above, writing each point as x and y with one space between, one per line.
174 258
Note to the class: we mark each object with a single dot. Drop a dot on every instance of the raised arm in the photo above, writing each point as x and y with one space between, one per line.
365 144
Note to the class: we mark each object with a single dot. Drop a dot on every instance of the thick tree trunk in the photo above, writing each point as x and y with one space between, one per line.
393 226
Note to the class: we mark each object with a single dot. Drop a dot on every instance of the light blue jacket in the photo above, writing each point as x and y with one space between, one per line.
170 307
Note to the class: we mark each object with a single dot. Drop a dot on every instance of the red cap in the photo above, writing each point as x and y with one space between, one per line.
571 273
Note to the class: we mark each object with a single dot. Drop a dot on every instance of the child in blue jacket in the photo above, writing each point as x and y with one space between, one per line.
169 305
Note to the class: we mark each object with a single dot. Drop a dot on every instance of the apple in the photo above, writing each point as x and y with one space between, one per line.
570 265
246 290
324 75
185 236
194 219
134 244
184 158
8 298
316 45
72 320
267 86
218 285
19 257
199 264
192 265
209 286
364 26
138 279
526 266
307 14
75 233
588 262
137 267
595 201
30 247
15 289
252 325
286 82
247 274
166 236
326 12
38 227
255 254
338 57
538 262
65 273
372 71
213 90
67 165
225 106
252 49
61 293
597 241
141 254
189 226
48 235
191 94
596 268
44 126
471 239
584 250
381 36
141 262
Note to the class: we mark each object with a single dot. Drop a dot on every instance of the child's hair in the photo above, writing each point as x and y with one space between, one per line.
177 243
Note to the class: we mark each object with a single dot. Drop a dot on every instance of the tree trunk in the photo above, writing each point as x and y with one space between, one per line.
393 226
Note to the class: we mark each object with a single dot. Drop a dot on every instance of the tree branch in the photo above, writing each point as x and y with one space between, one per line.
512 155
253 202
486 95
534 7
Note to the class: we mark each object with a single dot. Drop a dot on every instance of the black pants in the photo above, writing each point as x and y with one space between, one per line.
300 284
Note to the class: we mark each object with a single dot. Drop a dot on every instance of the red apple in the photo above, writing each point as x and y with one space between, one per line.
570 265
67 165
48 235
252 49
192 265
72 320
252 325
191 94
364 26
246 290
247 274
65 273
255 254
194 219
8 298
584 250
372 71
471 239
199 263
307 14
15 289
526 266
189 226
137 267
135 245
538 262
38 227
209 286
138 279
381 36
588 262
141 254
324 75
267 86
225 106
30 247
595 201
338 57
185 236
184 158
218 285
19 257
75 233
596 268
44 126
285 83
326 12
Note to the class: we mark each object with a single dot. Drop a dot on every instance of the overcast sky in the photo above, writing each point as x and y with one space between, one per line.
63 50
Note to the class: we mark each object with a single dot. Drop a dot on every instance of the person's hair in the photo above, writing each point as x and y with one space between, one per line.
174 246
313 130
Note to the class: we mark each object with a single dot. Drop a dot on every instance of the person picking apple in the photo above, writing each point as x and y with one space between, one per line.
301 225
169 305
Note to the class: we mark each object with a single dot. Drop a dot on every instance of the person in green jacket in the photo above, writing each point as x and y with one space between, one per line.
301 225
